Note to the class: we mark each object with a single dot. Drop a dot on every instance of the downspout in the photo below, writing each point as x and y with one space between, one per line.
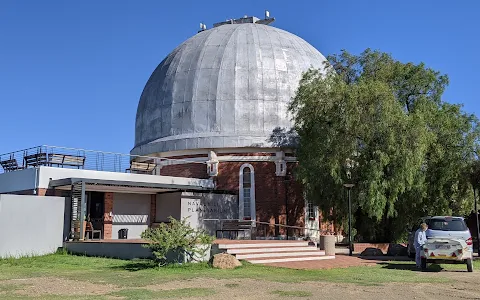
35 187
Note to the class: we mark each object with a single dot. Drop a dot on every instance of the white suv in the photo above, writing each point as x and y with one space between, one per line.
448 241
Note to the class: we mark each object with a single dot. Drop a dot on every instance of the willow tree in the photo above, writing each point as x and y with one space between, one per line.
409 148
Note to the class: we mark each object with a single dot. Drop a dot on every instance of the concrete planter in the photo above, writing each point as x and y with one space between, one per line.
327 243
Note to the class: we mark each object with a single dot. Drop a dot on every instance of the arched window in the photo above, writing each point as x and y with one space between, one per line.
247 193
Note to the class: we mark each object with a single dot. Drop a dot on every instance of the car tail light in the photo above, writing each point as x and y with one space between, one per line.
469 241
432 255
454 255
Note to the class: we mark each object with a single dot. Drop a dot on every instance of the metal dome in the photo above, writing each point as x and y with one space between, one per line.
225 87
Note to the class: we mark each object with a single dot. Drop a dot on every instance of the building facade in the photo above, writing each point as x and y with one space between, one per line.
222 98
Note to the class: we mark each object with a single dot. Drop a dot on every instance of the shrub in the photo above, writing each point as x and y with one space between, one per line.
178 240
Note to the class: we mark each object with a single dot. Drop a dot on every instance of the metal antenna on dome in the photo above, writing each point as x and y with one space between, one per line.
202 27
268 20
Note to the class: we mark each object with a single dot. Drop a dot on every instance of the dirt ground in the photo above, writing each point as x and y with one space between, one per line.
463 286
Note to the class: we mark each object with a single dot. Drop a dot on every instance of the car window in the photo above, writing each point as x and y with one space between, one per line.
447 225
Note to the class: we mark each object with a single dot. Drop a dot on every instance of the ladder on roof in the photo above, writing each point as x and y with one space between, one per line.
78 204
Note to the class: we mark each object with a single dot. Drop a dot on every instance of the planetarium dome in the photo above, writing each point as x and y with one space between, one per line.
225 87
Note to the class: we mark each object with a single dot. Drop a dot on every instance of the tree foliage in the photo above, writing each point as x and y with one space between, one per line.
176 241
408 151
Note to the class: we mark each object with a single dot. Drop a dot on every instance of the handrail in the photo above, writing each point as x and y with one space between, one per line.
122 154
166 159
93 160
266 223
13 152
288 226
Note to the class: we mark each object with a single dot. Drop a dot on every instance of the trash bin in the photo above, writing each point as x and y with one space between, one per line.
122 234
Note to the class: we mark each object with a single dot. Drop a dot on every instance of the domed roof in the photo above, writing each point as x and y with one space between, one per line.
225 87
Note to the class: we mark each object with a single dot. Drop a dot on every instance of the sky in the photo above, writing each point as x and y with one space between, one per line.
72 72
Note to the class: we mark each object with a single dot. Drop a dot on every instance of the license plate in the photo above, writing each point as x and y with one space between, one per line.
444 247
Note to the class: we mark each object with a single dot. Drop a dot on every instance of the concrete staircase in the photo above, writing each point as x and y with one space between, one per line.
272 251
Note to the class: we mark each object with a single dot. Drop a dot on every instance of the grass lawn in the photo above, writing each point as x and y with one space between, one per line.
133 276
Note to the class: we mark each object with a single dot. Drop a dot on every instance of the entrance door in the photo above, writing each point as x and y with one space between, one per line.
95 209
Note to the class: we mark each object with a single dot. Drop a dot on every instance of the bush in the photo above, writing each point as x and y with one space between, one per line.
176 238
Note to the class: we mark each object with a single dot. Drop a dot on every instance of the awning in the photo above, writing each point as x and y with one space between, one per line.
105 185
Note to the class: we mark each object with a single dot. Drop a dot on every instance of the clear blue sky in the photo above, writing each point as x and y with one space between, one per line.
71 72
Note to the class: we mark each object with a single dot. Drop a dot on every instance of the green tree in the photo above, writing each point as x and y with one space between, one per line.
408 149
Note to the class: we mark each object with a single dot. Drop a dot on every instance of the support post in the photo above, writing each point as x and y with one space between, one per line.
350 248
82 212
476 219
349 187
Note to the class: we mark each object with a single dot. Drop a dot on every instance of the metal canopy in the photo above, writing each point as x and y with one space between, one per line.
120 183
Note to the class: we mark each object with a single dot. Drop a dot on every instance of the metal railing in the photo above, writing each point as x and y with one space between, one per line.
73 158
265 230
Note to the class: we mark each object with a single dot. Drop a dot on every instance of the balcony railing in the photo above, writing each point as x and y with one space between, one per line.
72 158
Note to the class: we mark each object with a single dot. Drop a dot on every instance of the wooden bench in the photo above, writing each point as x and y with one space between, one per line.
10 165
66 160
35 160
141 167
235 226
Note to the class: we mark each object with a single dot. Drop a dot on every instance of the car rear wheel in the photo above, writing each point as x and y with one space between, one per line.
423 264
469 265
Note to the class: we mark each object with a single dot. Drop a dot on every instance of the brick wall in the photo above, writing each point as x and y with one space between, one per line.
40 192
272 193
194 170
107 219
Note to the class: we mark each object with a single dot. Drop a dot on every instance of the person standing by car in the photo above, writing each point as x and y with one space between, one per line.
419 241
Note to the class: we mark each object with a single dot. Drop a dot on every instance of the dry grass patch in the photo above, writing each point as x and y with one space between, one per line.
292 293
141 294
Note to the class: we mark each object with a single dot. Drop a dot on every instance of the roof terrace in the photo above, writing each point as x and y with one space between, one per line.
62 157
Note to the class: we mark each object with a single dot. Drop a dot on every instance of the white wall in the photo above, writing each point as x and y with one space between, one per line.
130 211
16 181
168 204
31 225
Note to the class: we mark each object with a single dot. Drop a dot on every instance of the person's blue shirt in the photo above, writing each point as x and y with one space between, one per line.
420 238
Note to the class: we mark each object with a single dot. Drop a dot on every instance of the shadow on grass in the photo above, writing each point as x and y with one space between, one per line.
134 266
409 267
385 258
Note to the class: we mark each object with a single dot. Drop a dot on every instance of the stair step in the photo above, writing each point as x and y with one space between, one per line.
289 259
260 245
272 249
280 254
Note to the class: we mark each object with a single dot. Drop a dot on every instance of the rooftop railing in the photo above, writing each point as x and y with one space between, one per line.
73 158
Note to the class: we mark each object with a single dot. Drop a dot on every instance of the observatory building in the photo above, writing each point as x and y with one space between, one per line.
219 98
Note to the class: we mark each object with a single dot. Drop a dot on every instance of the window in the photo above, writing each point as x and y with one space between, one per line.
311 211
247 193
447 224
